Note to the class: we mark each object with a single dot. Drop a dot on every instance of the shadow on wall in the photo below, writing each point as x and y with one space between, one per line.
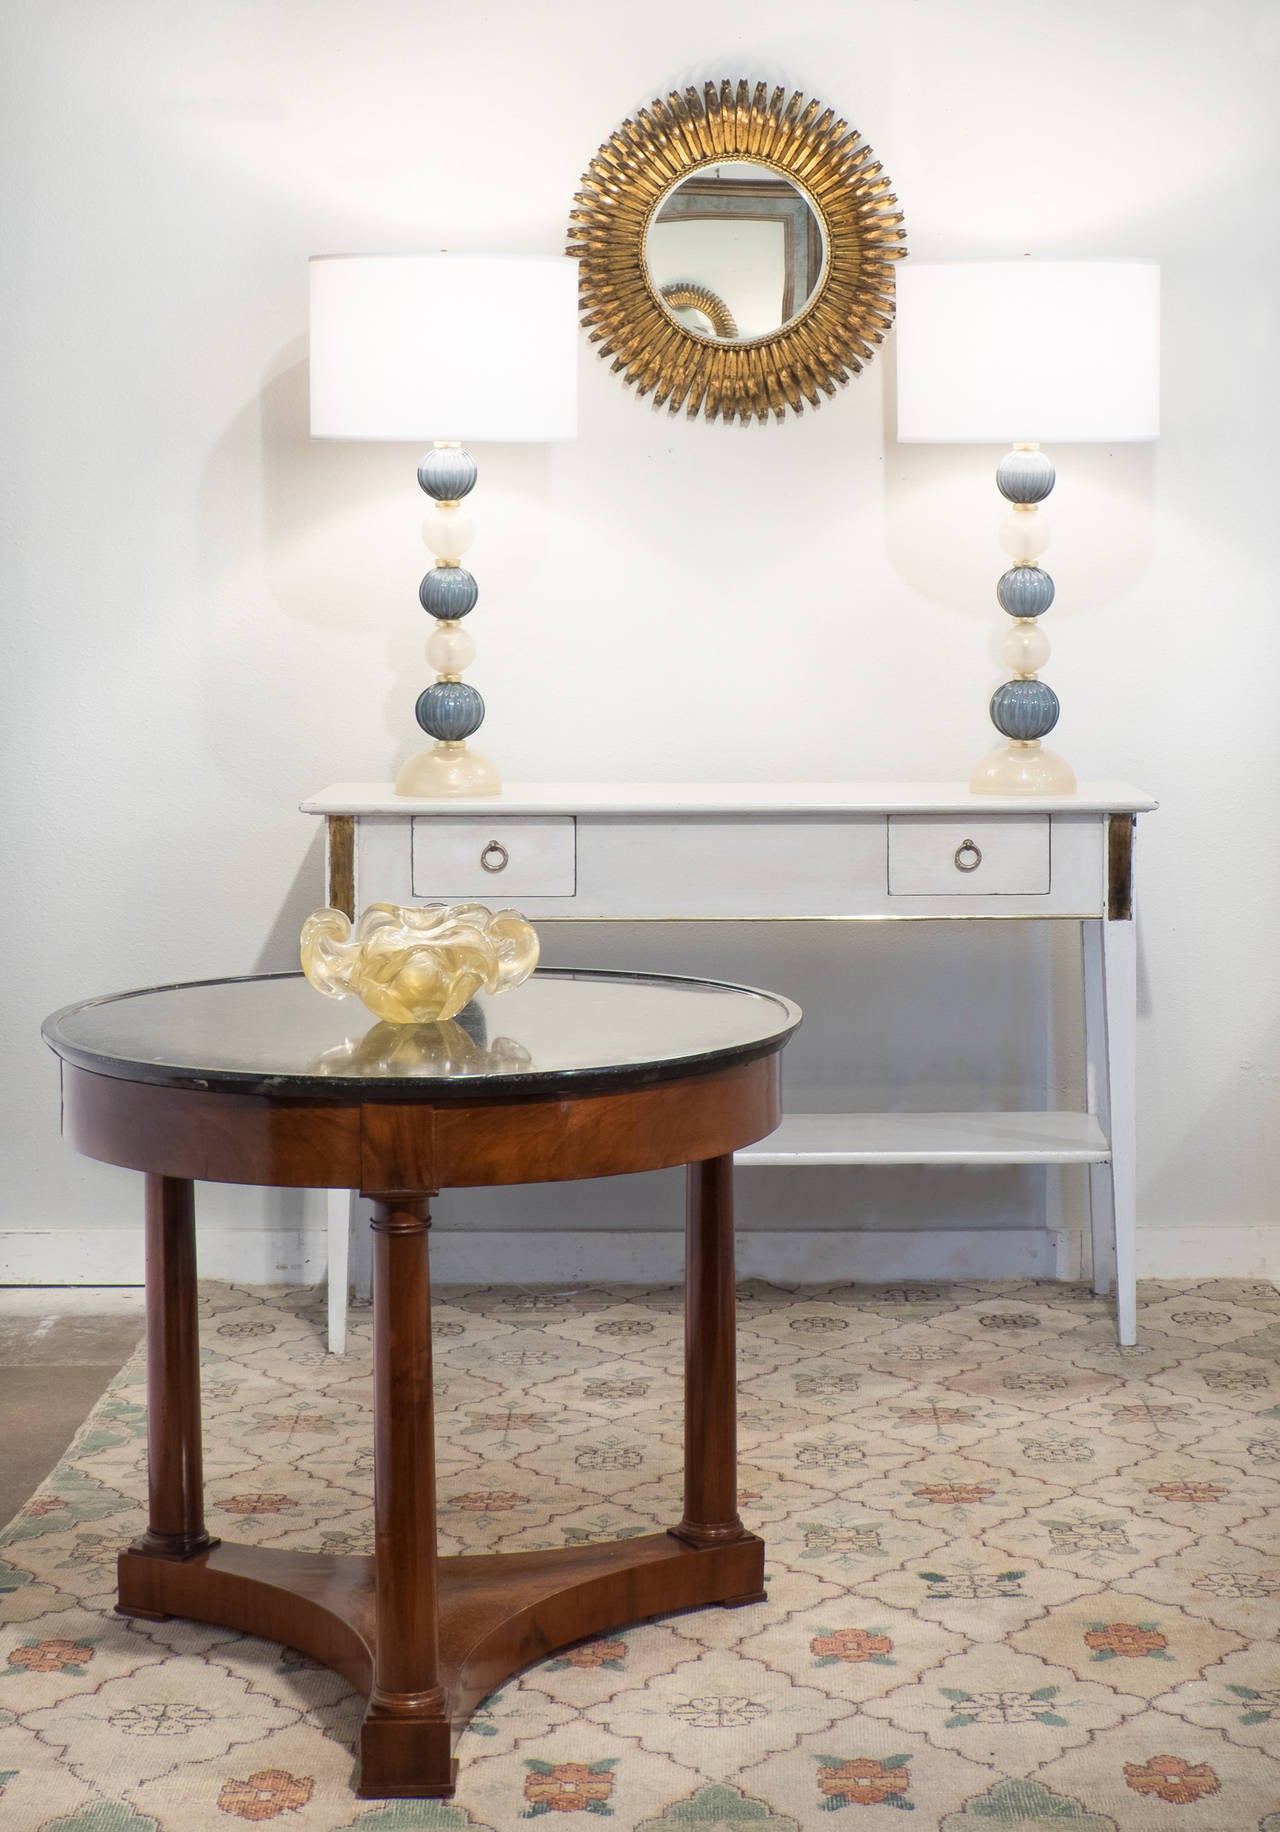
331 584
279 950
300 556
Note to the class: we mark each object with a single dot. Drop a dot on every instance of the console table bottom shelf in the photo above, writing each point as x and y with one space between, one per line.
932 1138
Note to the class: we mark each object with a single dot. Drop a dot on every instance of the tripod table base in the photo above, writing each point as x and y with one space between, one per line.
498 1613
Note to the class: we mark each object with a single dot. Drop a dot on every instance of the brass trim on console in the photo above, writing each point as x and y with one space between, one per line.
1120 837
342 863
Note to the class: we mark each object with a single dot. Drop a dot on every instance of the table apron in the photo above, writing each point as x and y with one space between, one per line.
377 1146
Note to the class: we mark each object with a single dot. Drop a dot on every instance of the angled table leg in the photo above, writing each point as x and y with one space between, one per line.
405 1737
1098 1100
1110 986
710 1380
1120 998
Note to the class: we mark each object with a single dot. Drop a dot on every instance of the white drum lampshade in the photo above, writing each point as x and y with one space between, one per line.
990 352
443 348
1025 352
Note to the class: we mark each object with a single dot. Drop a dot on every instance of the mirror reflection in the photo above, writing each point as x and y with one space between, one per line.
735 251
453 1046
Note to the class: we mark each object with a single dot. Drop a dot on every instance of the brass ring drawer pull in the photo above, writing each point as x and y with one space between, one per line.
968 856
495 856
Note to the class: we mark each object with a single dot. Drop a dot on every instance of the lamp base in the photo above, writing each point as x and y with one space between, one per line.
1023 767
448 769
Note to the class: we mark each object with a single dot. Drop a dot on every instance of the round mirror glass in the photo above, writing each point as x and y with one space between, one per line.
735 251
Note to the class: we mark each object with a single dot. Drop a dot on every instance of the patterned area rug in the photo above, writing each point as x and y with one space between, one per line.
1019 1578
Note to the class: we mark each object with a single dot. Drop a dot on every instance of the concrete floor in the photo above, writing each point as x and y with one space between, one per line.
59 1347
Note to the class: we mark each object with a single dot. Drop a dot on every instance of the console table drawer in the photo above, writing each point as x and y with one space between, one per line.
958 856
497 860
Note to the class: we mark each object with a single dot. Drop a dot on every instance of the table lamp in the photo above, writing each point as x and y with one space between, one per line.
1024 352
438 348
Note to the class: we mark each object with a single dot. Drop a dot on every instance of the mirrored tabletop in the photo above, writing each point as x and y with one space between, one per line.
562 1031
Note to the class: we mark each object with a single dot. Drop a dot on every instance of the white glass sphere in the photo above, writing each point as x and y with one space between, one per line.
447 530
1025 647
1024 534
1023 769
450 648
449 769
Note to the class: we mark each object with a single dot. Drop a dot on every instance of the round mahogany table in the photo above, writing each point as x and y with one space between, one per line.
263 1081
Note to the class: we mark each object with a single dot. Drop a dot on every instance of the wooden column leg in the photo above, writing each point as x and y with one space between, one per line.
710 1372
405 1738
176 1528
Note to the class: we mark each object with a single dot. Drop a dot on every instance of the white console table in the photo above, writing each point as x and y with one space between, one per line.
915 852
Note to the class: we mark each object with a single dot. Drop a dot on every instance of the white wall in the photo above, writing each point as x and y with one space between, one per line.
209 617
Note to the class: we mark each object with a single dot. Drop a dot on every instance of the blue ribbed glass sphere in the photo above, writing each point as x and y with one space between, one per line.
1024 477
1024 591
448 592
1024 709
447 475
449 710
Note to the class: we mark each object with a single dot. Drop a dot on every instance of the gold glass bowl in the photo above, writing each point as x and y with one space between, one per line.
418 966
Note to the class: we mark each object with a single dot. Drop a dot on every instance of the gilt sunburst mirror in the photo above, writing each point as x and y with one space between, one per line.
736 249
